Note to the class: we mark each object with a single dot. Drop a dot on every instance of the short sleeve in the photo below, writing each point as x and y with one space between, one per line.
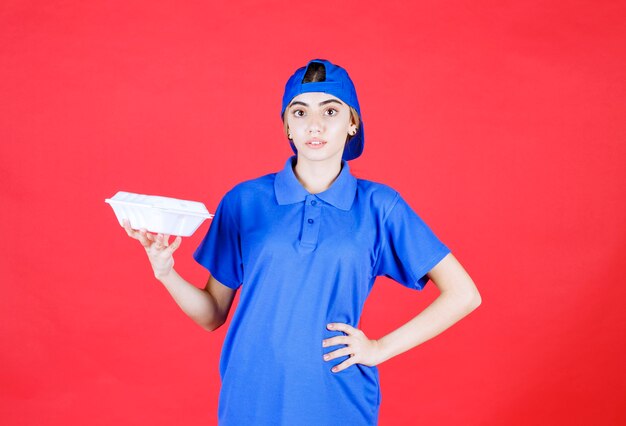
220 250
409 248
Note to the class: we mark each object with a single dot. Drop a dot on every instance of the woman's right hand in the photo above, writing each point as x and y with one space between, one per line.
160 252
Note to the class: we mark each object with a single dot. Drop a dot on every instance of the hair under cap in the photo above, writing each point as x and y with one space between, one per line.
336 82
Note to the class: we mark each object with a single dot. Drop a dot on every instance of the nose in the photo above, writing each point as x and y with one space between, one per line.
314 124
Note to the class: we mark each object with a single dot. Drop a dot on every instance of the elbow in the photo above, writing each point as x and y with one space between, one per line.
467 301
474 300
471 296
212 326
464 302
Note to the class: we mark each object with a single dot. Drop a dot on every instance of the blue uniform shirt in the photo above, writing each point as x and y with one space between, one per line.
302 261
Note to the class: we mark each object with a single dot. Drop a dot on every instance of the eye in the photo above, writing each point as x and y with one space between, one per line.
333 110
297 112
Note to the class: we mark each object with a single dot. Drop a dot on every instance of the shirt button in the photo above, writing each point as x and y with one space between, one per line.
313 202
310 221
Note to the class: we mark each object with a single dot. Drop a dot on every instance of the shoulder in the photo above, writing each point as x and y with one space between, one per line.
377 195
252 189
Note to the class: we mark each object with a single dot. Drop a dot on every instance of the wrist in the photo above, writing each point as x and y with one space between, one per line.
383 351
165 276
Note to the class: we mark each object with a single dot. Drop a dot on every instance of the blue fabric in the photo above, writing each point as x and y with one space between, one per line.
302 261
337 83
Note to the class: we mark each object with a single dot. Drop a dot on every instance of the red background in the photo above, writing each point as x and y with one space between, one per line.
502 124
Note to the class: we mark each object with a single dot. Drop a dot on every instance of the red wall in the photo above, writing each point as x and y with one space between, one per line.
502 124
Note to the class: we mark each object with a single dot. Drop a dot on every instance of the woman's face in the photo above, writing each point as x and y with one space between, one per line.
319 124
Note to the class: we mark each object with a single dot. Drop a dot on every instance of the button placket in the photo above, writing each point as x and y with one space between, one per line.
311 221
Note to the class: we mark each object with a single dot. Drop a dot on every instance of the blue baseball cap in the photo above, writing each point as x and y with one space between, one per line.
338 83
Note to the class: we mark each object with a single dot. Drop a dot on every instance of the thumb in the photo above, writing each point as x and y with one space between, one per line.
175 244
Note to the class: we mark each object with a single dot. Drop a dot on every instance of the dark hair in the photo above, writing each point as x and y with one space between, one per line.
315 72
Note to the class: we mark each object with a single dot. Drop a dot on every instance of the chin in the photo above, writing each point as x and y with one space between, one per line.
319 156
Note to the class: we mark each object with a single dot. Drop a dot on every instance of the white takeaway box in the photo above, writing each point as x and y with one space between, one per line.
158 214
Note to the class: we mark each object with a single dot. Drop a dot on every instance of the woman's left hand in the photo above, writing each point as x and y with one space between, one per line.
360 349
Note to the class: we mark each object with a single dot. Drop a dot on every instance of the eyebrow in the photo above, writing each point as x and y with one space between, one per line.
320 104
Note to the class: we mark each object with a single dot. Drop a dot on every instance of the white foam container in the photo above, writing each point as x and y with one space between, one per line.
158 214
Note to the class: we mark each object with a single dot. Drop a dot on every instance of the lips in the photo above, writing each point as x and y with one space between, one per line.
315 143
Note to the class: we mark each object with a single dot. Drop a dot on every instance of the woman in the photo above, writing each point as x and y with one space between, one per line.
306 245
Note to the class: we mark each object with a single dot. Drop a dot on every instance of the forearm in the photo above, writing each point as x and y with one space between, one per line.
446 310
197 303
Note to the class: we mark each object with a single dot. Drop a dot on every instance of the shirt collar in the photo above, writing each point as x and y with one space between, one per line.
289 190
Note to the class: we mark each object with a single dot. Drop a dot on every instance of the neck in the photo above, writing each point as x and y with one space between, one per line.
317 176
